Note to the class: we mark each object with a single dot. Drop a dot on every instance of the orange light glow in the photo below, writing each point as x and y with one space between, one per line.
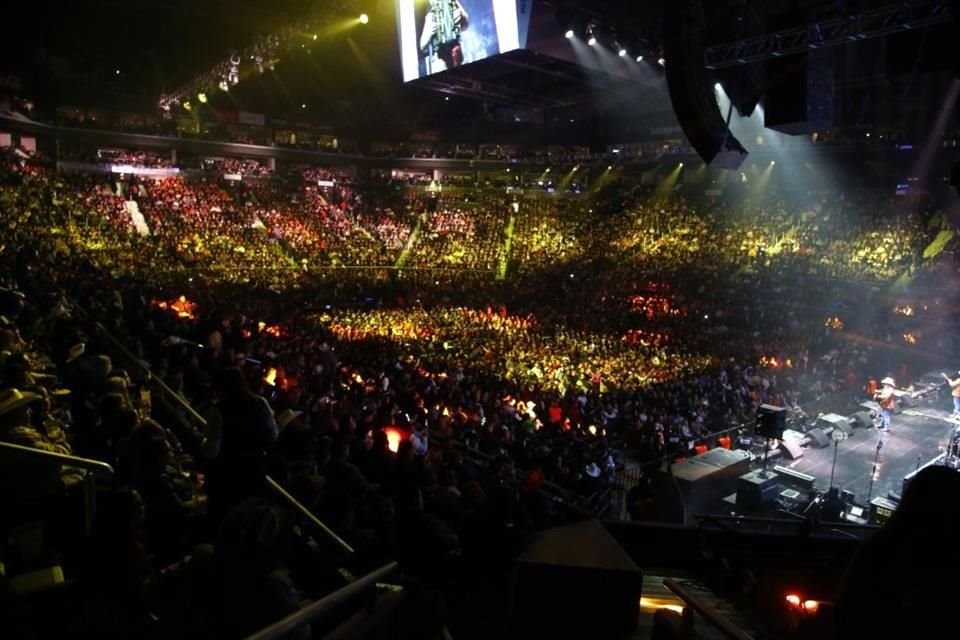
181 306
272 330
811 606
271 377
661 603
793 599
394 436
834 323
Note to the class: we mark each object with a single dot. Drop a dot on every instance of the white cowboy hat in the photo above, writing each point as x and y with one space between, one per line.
888 381
13 399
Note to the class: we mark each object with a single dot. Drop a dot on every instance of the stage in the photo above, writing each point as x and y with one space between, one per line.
918 435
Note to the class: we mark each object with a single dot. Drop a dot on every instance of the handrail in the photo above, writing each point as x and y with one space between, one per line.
761 520
60 458
152 378
726 627
321 609
306 513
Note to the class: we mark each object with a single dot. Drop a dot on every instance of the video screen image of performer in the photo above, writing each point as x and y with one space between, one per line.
440 39
955 392
887 401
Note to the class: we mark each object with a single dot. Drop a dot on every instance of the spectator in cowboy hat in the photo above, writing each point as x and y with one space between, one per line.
26 477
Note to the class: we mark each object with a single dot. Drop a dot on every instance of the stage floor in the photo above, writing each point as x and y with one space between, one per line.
917 436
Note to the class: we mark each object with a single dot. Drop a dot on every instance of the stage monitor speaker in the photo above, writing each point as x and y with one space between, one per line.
907 401
834 421
818 438
861 419
791 449
771 421
691 89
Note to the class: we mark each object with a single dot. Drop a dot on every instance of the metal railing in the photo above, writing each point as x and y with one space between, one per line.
152 379
63 460
306 513
322 610
792 523
711 615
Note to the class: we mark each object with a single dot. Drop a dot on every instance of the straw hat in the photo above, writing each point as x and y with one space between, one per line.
76 351
13 399
287 416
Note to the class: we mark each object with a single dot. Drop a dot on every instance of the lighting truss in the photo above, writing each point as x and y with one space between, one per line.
265 53
829 33
257 58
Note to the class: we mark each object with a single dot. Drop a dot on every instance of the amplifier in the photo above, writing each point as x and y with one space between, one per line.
881 509
756 489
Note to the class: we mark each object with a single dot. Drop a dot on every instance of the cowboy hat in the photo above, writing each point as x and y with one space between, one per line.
888 380
76 351
13 399
287 416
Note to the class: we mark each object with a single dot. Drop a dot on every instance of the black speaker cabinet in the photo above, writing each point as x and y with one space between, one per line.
771 421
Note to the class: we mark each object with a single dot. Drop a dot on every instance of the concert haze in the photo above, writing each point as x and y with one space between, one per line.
438 35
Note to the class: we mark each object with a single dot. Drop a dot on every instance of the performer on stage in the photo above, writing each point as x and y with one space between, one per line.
440 38
955 392
887 402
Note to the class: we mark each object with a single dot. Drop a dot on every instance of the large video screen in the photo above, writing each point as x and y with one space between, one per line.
437 35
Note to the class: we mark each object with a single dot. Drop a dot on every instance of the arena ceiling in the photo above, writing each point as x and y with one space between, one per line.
126 53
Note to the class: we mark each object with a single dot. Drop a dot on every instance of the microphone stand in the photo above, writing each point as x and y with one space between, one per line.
873 474
833 467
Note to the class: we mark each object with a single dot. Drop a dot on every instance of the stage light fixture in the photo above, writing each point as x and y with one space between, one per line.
639 58
364 18
187 105
662 62
592 41
569 34
622 53
202 97
773 162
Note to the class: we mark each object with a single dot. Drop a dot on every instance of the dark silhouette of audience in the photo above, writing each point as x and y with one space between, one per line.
902 583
